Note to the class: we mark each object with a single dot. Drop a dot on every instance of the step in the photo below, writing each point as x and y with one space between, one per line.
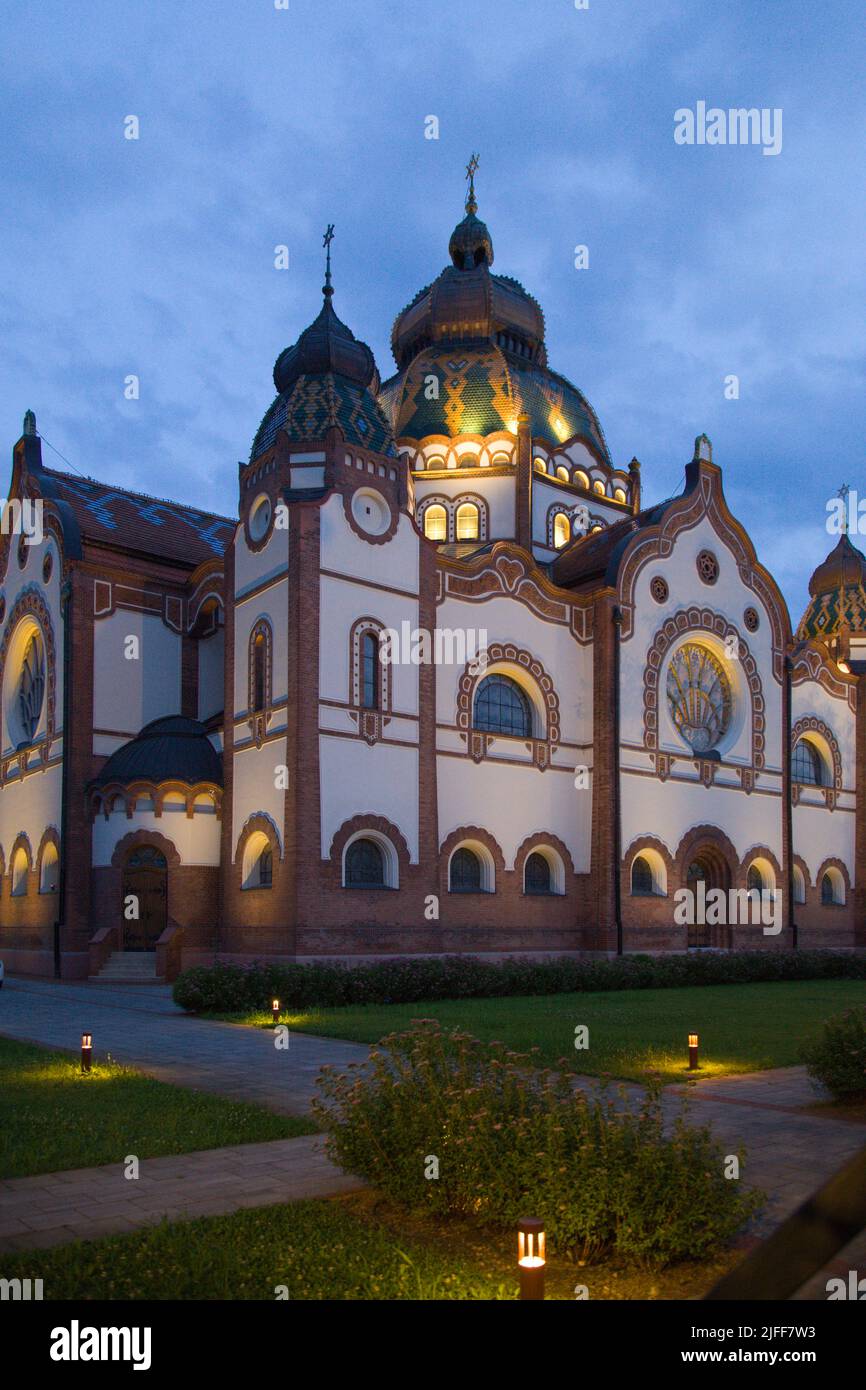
129 967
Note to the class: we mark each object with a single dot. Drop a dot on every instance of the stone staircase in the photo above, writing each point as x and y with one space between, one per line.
129 968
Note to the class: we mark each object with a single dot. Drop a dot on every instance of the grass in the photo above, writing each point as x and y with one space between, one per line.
53 1118
358 1247
742 1028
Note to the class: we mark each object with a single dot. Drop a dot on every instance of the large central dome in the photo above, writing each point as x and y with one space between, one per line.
480 338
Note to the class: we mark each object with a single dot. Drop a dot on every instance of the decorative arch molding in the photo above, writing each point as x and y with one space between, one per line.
692 622
811 724
135 838
568 508
541 840
102 798
813 662
509 571
21 841
763 852
841 868
463 836
798 862
702 837
704 498
50 836
31 604
354 828
370 723
208 592
262 824
640 845
451 506
478 741
374 482
259 719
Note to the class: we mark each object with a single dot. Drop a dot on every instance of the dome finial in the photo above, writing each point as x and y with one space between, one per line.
471 167
327 288
843 493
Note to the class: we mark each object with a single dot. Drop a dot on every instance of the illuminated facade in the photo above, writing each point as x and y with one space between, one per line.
444 684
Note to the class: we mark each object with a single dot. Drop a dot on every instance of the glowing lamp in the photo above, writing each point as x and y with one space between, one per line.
86 1050
693 1051
276 1008
530 1256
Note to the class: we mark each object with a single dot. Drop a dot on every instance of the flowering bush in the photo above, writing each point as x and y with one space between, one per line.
240 989
505 1141
837 1059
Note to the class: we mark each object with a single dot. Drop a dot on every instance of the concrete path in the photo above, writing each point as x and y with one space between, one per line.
86 1203
142 1026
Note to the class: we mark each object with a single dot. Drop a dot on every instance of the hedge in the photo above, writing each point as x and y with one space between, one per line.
244 988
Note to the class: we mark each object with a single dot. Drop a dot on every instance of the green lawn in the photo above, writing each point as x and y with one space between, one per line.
357 1247
741 1027
52 1117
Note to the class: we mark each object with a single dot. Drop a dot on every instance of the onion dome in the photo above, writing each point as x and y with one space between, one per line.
175 749
481 336
328 377
838 594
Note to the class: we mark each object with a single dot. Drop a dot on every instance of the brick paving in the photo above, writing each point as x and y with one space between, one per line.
790 1151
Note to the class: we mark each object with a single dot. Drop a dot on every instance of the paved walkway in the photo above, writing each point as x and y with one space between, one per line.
790 1151
85 1203
142 1026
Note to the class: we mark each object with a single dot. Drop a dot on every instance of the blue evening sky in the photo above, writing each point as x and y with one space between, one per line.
258 126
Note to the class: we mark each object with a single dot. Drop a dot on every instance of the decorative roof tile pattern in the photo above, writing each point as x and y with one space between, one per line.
315 403
838 594
483 389
135 521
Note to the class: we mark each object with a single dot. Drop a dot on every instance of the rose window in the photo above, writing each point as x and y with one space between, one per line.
699 696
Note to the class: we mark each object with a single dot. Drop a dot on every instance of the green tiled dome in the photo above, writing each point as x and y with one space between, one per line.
838 594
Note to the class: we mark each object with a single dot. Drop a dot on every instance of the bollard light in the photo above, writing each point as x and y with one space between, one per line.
693 1052
86 1050
530 1256
276 1008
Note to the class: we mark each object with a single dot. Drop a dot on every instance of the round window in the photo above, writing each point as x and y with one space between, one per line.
699 696
260 518
371 511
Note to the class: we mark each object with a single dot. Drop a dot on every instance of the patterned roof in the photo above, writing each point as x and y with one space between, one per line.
315 403
135 521
838 594
483 389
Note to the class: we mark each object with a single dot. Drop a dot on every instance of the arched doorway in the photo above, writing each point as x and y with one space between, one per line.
708 866
145 880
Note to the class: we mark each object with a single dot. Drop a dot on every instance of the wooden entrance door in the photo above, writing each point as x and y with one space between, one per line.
145 880
710 868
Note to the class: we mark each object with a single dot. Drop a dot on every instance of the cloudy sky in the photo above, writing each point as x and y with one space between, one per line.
259 125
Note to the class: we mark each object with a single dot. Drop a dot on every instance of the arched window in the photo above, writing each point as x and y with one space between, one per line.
365 865
619 494
807 765
259 660
828 895
540 466
436 523
31 687
502 708
435 463
642 884
536 876
19 873
563 474
370 670
468 525
49 870
464 872
755 879
598 487
468 461
258 865
582 479
561 530
799 884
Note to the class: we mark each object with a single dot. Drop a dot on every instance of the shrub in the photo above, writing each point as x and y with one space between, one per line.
603 1174
837 1059
241 989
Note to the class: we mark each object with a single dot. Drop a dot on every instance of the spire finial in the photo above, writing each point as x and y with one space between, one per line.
327 288
29 422
471 167
843 493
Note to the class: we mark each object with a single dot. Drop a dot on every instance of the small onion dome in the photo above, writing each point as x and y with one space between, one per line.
175 749
326 346
471 243
838 594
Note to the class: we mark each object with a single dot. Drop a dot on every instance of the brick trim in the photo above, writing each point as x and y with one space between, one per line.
135 838
458 837
478 741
